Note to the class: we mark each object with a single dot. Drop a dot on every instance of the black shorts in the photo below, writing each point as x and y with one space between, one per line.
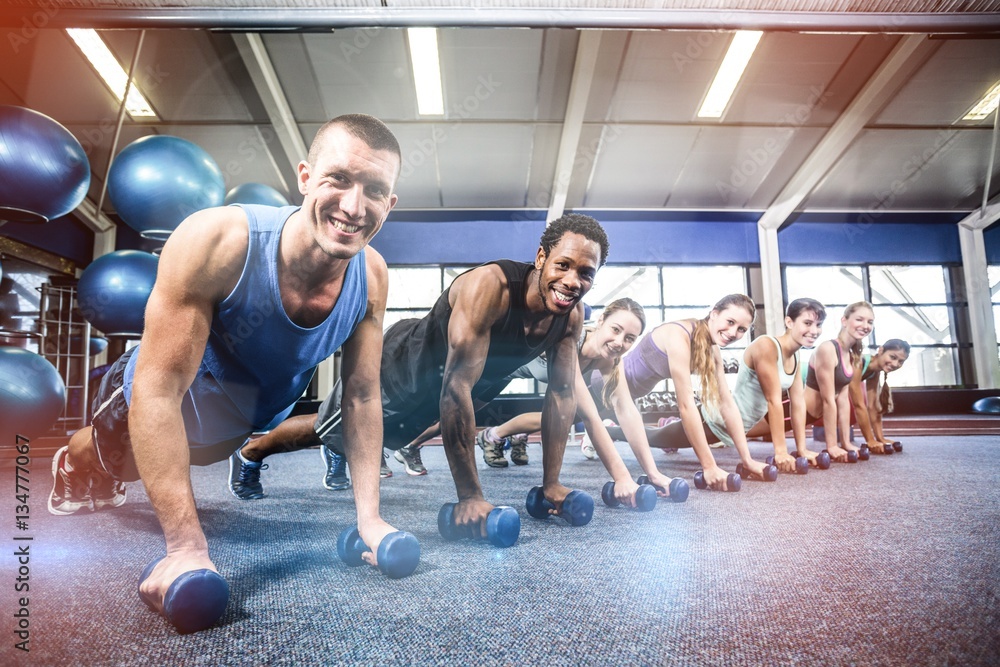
111 435
110 410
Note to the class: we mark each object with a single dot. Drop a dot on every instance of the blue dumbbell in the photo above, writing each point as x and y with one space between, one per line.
733 482
503 525
864 453
577 508
852 456
801 464
823 460
194 601
678 491
769 474
897 446
398 553
645 497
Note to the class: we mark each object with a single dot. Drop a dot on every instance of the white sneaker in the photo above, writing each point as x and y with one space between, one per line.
587 448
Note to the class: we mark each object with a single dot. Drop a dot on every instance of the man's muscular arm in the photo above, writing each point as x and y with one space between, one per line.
198 267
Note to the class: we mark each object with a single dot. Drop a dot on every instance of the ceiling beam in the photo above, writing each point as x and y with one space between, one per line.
272 96
279 15
576 107
909 53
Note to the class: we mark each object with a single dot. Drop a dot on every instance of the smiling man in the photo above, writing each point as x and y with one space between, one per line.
489 322
247 301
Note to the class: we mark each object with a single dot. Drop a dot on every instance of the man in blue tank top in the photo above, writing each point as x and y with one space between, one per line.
247 301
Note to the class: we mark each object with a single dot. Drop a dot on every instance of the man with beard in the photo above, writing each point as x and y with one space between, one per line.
489 322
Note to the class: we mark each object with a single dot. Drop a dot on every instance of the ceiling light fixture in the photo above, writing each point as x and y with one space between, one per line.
426 70
101 58
740 49
985 106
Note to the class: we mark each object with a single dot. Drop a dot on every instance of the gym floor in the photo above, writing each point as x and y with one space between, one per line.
893 561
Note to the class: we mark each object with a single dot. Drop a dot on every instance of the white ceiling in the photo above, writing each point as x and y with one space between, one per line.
826 119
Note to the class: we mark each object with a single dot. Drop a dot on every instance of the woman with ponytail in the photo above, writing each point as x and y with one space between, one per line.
600 351
830 372
678 350
872 396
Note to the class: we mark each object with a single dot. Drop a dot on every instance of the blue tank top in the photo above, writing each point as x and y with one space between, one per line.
258 362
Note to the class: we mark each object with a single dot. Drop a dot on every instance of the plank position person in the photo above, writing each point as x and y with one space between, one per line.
678 350
600 350
871 395
490 321
771 369
200 383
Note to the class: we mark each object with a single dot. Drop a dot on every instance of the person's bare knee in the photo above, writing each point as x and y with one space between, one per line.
82 451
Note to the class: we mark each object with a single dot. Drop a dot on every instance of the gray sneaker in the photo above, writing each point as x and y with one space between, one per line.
410 458
385 472
70 491
106 492
492 451
519 449
335 478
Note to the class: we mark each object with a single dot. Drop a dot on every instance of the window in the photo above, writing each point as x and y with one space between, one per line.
912 303
993 274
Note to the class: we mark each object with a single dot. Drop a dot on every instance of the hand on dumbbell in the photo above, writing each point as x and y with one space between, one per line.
819 460
676 489
841 455
788 463
501 526
576 507
756 470
640 496
194 599
397 556
717 480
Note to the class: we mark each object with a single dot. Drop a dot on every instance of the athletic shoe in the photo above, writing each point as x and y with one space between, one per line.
106 492
587 448
385 472
410 458
492 451
335 478
519 449
70 491
244 478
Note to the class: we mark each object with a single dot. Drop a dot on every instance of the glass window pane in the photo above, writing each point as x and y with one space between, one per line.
926 367
641 283
920 325
701 285
907 284
830 285
993 273
413 287
520 386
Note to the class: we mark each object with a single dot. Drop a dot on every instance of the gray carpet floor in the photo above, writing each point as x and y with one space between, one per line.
893 561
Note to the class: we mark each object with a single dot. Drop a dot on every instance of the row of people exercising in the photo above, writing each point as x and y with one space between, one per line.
773 393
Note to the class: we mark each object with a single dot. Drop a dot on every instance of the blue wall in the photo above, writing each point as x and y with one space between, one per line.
63 236
992 239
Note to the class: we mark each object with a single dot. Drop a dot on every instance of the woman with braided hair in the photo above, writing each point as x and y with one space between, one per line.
872 396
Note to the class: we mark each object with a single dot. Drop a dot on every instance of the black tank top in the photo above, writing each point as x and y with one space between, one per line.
840 378
414 351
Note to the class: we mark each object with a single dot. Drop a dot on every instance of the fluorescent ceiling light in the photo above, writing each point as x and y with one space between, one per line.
111 71
985 106
742 47
426 70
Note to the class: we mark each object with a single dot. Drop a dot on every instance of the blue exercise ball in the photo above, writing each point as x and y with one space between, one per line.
44 171
157 181
32 395
255 193
989 405
113 291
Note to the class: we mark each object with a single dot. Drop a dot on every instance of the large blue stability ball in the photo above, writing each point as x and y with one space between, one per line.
32 395
113 291
44 171
156 182
255 193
